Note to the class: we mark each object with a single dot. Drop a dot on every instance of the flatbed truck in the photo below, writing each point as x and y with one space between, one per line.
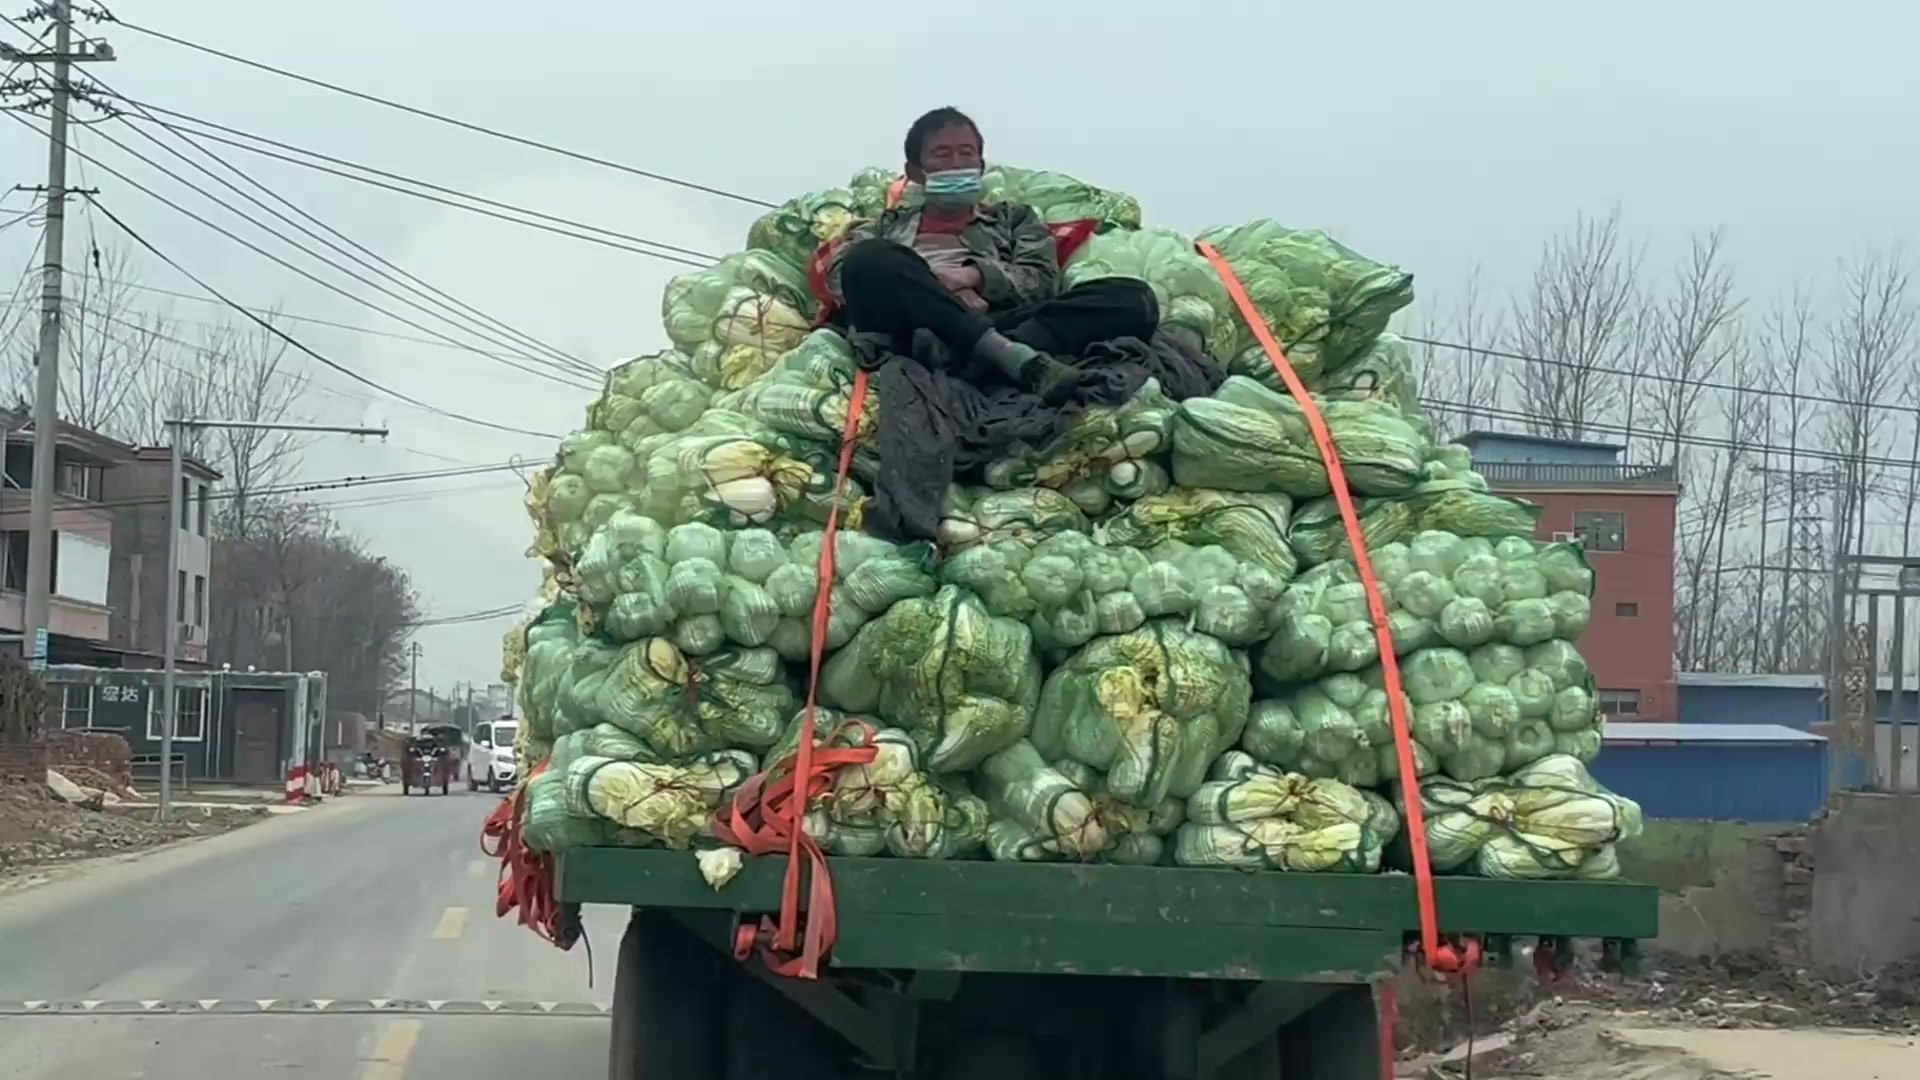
953 969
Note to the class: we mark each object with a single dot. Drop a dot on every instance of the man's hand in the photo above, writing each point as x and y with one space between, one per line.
973 301
959 279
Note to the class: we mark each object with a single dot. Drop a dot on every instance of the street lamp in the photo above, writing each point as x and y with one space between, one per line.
177 431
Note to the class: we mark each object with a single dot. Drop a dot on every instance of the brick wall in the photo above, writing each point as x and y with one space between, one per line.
103 752
23 764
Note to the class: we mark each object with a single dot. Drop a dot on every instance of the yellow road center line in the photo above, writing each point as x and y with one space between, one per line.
391 1053
477 868
453 922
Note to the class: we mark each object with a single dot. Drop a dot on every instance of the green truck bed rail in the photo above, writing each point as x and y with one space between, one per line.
1070 919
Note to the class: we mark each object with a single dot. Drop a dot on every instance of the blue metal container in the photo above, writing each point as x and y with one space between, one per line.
1716 772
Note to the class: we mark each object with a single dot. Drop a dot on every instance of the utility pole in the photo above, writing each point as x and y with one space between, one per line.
1839 609
413 691
46 399
177 432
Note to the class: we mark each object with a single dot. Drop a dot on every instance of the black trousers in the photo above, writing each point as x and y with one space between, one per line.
889 289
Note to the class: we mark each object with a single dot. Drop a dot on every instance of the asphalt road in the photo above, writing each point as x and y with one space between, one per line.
366 901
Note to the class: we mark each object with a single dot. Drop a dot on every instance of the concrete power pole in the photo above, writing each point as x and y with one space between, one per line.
413 691
46 399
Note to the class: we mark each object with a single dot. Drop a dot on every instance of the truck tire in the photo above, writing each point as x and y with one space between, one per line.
668 1015
770 1036
1261 1061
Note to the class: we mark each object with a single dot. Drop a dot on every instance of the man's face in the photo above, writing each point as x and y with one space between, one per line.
954 147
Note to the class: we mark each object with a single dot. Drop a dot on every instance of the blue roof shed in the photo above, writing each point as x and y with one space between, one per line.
1716 772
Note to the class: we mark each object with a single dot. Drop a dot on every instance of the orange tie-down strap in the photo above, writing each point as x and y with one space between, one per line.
526 877
1440 955
768 815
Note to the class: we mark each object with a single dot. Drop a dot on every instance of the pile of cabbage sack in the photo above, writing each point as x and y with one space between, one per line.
1145 642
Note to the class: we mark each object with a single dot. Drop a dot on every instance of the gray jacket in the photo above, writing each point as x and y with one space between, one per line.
1009 242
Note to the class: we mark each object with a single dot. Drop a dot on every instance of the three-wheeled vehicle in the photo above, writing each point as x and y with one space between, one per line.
430 760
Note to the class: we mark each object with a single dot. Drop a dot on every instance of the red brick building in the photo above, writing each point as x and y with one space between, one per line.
1625 516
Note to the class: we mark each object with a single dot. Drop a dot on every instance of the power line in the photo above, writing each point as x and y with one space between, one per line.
1706 441
612 238
341 483
505 611
410 497
1789 395
105 15
564 358
18 218
302 347
566 361
290 317
255 248
209 379
385 267
309 252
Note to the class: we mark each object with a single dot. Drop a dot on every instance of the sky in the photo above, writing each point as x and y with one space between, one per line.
1442 137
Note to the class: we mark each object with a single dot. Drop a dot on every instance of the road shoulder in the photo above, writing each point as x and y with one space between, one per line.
121 867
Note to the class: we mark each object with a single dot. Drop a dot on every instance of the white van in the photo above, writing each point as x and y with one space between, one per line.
490 755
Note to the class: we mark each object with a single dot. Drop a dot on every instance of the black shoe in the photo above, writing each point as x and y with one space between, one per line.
870 349
930 350
1185 337
1055 382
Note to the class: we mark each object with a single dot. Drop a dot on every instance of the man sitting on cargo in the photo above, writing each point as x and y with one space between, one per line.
982 279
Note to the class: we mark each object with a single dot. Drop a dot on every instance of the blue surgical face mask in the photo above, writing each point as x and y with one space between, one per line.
952 189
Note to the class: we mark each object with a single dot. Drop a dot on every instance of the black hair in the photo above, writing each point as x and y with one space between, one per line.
938 119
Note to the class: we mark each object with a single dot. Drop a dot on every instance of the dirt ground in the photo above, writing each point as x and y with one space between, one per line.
1620 1048
1678 1019
37 830
1733 991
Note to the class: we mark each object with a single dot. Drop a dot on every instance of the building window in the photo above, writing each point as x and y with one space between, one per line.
180 599
1627 610
13 572
76 705
199 600
1619 702
186 505
190 714
79 481
200 500
1601 530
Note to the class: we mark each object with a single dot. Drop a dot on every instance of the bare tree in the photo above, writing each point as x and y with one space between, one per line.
232 373
108 344
1787 342
180 387
1580 317
297 593
1692 338
1463 373
1691 334
1869 345
1744 415
256 383
1910 398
